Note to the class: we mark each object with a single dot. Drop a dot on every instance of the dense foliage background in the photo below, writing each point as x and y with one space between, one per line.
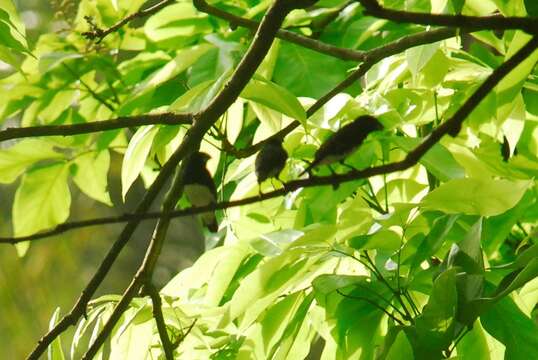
435 260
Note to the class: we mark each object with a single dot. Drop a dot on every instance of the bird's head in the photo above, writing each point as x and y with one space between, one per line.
274 141
204 157
198 157
368 123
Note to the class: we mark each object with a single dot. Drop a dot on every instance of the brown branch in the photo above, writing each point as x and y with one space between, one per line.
145 272
492 22
167 345
99 34
259 47
96 126
411 159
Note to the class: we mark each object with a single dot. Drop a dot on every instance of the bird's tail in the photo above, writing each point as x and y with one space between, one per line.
210 221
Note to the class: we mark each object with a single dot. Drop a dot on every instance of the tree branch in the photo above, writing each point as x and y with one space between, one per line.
145 272
99 34
411 159
167 345
96 126
492 22
202 122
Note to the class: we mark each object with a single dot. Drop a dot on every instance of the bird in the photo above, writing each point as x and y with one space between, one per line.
270 160
199 187
344 142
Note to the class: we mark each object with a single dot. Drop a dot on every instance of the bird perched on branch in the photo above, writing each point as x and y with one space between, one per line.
344 142
270 160
199 187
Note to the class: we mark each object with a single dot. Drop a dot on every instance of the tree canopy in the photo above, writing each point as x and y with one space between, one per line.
420 243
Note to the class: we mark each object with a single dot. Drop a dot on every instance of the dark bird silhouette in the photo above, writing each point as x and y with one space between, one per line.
199 187
270 160
345 141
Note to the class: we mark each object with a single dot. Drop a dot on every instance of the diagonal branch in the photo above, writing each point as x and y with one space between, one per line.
492 22
411 159
202 122
145 272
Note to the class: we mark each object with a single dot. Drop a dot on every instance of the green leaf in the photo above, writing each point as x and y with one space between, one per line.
183 60
11 28
345 299
305 72
467 254
474 345
55 351
135 156
401 348
506 323
438 160
14 160
274 243
198 97
435 326
434 240
275 97
486 197
510 86
517 279
382 240
176 25
417 57
42 199
91 175
133 340
497 228
261 287
283 348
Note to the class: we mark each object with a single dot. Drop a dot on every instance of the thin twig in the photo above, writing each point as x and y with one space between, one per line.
373 303
98 34
184 335
396 292
95 95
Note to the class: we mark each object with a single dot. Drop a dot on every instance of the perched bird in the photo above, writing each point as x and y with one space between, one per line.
199 187
270 160
345 141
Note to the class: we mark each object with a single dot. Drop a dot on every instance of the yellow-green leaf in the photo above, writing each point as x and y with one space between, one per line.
42 200
486 197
